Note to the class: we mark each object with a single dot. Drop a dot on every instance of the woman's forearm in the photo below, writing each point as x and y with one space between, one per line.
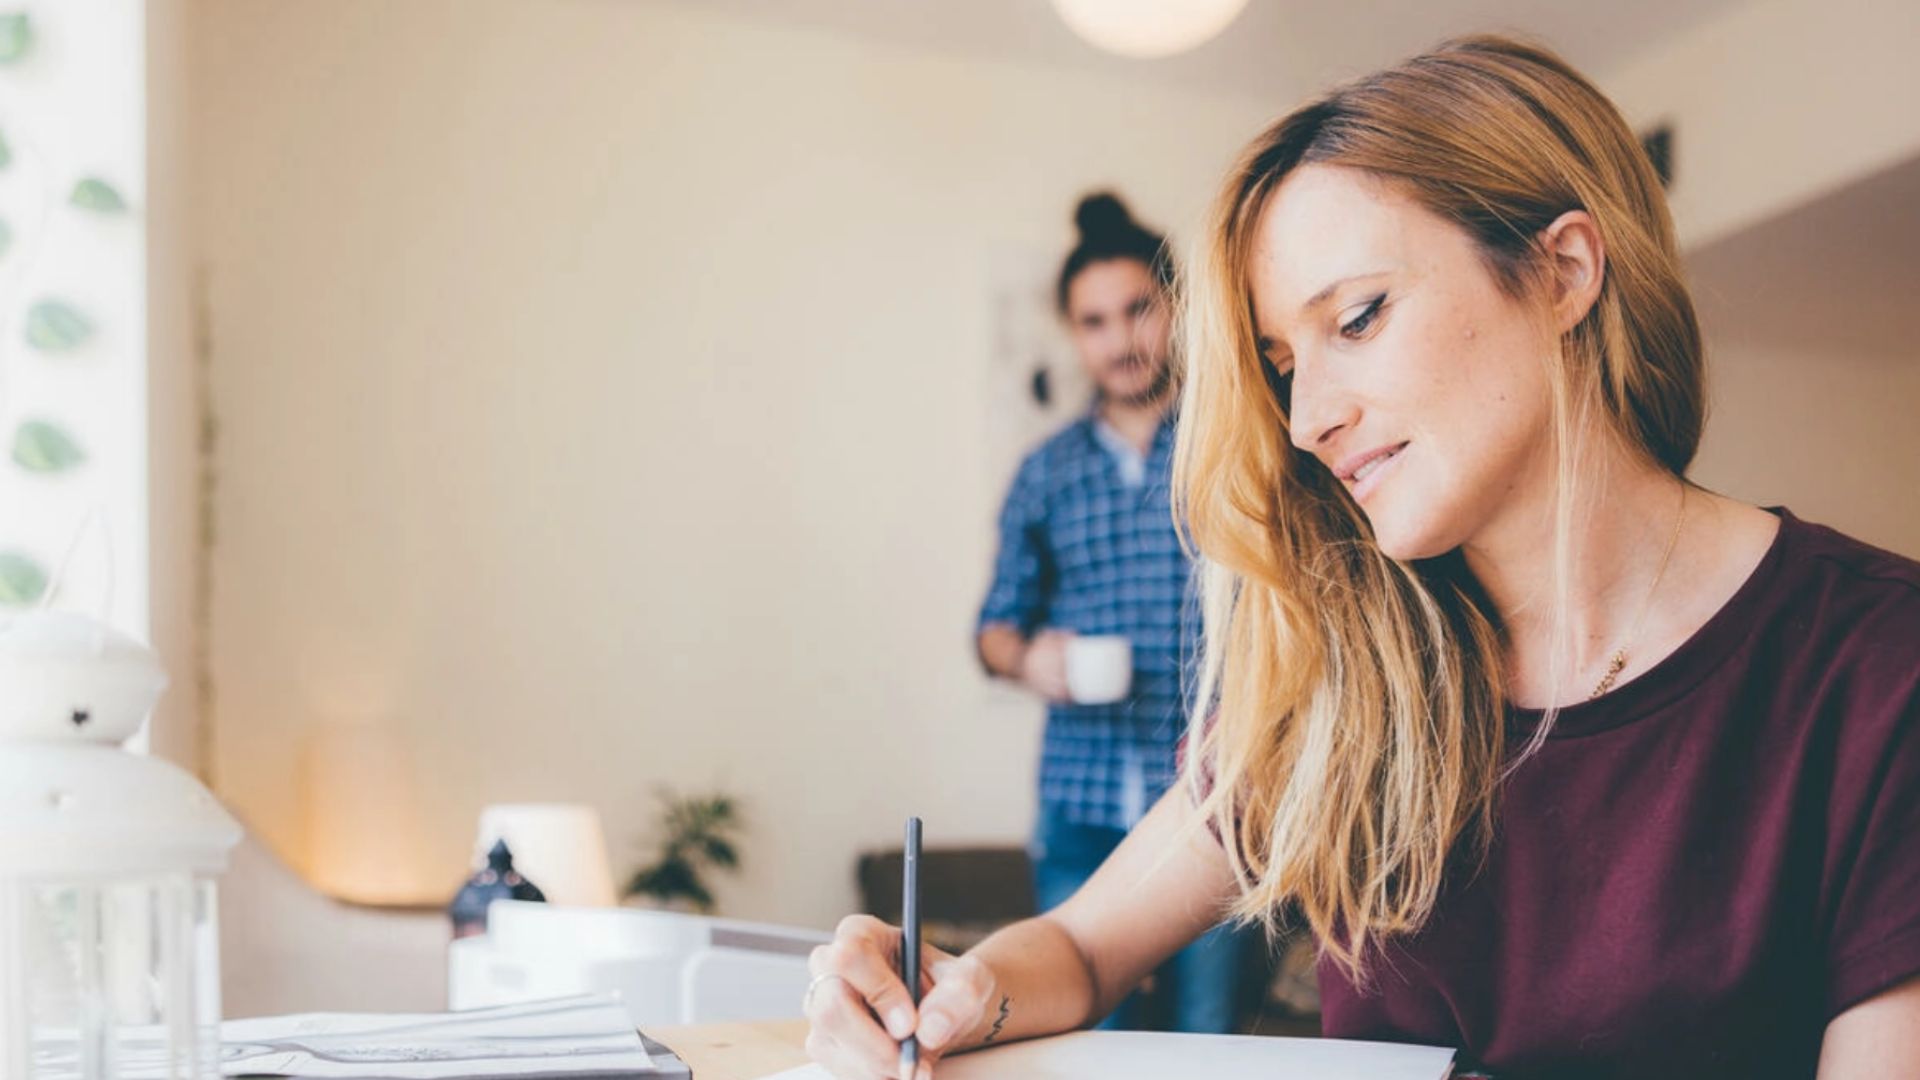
1043 984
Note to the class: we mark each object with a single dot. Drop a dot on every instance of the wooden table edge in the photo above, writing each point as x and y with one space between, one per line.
744 1050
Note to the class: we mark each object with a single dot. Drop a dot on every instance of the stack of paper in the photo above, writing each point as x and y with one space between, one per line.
575 1038
1145 1055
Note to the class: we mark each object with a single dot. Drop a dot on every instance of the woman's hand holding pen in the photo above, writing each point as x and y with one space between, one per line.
858 1010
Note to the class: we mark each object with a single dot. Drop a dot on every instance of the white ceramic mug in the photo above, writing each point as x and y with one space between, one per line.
1099 668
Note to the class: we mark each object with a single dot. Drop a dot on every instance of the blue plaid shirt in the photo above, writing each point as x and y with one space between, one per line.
1082 549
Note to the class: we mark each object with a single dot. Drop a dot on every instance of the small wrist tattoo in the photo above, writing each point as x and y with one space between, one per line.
1006 1007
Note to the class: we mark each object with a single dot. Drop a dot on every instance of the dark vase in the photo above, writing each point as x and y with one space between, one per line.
497 881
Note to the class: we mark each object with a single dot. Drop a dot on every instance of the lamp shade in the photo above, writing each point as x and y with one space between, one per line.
559 847
1145 29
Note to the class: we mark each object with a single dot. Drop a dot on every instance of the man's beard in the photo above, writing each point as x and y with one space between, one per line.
1157 389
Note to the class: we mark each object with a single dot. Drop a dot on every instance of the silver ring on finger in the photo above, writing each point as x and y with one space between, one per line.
806 999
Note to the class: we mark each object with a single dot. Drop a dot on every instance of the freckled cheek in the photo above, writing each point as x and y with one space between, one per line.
1444 393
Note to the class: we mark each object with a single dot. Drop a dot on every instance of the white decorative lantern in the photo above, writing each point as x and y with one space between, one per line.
109 946
1147 29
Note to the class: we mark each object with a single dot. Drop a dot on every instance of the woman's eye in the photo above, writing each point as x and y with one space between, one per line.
1356 327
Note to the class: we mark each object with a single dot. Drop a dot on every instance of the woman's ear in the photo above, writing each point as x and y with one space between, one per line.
1578 259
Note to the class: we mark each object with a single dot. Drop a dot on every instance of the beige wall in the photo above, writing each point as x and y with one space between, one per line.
1776 102
1828 434
601 401
173 417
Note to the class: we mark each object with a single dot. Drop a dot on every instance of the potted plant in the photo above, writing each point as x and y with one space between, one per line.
698 835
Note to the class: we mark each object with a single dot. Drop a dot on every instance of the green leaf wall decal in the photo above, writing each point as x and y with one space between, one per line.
16 37
6 151
41 447
54 326
97 195
21 579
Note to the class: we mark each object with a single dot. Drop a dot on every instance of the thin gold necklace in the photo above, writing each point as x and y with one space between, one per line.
1619 661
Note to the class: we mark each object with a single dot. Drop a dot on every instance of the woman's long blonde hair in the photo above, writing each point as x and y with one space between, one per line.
1350 711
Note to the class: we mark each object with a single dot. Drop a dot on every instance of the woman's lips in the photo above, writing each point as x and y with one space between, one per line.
1365 476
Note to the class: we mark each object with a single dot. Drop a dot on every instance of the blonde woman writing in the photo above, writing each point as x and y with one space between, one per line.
1569 764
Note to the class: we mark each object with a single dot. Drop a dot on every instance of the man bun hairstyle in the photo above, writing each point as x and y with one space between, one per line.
1108 231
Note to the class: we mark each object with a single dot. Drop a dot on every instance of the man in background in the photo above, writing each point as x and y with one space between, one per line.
1088 551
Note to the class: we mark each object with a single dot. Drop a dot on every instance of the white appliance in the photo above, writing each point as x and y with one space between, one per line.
667 967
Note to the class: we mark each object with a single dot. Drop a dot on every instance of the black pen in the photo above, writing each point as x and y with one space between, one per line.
910 943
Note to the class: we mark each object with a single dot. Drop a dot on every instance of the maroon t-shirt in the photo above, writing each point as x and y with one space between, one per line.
1700 869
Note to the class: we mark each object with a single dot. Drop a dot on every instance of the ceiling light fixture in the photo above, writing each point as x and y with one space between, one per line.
1147 29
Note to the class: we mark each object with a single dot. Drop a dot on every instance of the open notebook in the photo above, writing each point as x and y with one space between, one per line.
1146 1055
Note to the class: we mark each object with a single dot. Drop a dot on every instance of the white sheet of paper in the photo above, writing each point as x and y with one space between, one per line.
1147 1055
585 1035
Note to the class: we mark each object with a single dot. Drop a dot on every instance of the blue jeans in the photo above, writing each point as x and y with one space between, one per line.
1202 982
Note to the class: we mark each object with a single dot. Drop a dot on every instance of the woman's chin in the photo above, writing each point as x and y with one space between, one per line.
1408 537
